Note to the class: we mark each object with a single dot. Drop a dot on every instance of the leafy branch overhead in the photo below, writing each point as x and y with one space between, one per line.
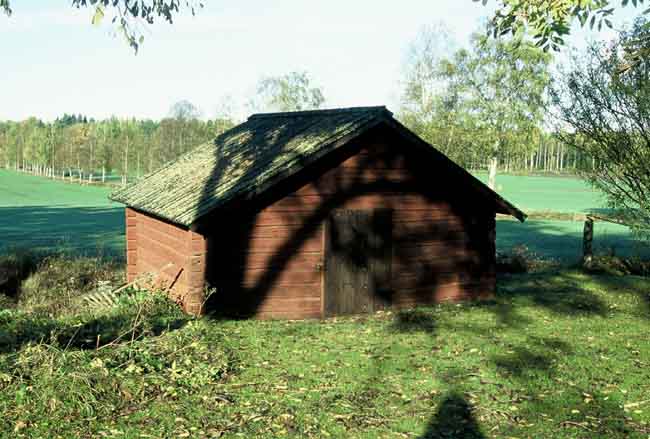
128 15
549 21
607 116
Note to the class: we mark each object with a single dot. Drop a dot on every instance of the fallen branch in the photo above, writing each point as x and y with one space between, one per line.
171 285
574 424
144 275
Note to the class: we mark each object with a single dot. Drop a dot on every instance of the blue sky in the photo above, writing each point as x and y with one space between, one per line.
52 60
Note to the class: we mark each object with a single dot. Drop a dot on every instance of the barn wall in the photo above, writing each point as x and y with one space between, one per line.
267 261
165 256
263 270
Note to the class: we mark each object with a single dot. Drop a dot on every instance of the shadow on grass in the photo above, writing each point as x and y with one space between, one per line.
533 376
413 320
567 293
626 285
563 293
578 411
562 240
46 228
453 419
538 355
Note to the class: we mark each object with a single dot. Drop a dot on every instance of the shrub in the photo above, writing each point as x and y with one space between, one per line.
618 266
15 266
521 260
56 284
52 379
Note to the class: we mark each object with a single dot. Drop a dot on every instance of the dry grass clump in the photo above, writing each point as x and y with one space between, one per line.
52 284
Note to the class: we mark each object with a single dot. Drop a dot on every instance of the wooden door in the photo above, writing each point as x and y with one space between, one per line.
358 252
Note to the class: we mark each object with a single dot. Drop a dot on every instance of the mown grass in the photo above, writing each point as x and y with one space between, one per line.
41 214
564 194
560 354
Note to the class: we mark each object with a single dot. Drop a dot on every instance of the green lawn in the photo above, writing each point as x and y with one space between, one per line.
556 194
43 214
561 355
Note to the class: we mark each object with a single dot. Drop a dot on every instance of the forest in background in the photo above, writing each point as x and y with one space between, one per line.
80 148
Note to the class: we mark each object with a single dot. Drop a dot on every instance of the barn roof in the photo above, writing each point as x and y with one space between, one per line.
257 154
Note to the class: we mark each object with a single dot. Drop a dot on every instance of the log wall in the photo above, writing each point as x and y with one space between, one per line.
165 256
267 261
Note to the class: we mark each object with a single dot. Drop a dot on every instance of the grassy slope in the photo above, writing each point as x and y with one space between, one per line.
555 355
39 213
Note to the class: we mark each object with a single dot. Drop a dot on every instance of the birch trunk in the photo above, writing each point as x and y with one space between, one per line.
494 162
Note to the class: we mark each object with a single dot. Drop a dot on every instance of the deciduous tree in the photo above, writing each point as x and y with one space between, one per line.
291 92
485 102
608 116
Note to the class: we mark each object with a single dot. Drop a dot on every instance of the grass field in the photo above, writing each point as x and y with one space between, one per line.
556 194
561 240
555 355
43 214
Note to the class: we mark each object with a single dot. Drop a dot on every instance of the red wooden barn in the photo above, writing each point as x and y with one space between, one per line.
313 214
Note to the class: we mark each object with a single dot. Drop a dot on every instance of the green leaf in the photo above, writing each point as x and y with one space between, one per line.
99 16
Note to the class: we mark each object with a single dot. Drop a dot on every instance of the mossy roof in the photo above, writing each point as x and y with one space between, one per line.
250 158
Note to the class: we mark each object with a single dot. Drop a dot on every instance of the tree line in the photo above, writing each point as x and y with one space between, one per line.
80 148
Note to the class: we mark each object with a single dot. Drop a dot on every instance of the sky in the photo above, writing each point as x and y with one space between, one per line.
54 61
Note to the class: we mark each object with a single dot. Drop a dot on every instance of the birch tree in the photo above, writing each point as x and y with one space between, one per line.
501 85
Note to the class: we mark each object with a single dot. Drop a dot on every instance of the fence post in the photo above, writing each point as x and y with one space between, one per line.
587 240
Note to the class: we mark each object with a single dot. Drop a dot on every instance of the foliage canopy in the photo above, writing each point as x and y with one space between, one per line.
549 21
129 14
608 115
482 103
290 92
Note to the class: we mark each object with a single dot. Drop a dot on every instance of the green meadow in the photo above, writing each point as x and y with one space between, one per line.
42 214
555 239
45 215
552 193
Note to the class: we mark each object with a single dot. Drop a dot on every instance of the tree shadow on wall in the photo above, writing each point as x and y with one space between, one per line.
254 251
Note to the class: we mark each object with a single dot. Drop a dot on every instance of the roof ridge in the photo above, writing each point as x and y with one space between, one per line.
326 111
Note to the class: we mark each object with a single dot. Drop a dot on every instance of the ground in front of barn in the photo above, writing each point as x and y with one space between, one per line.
556 354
